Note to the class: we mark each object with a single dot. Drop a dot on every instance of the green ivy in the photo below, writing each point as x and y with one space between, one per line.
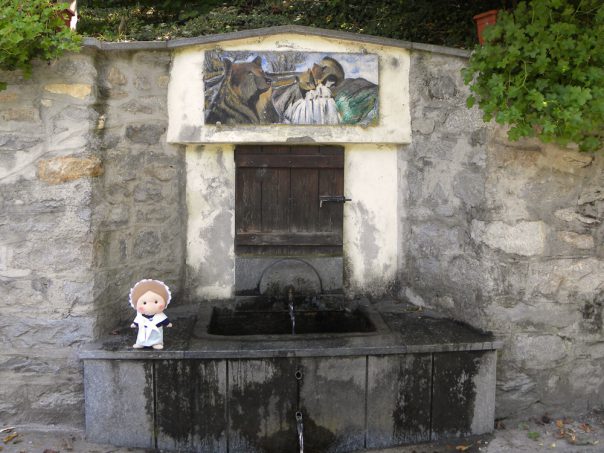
32 29
541 71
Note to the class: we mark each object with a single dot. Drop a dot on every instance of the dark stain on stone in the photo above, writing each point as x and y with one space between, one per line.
411 415
191 404
148 391
592 316
262 400
421 328
453 393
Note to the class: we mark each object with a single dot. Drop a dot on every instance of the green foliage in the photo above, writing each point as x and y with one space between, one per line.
541 71
443 22
32 29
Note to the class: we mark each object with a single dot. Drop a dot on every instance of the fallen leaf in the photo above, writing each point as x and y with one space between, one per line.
585 427
533 435
546 419
499 425
10 437
462 447
560 424
7 430
567 421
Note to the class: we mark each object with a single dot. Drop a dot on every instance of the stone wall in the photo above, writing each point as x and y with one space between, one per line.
91 200
508 237
48 157
139 203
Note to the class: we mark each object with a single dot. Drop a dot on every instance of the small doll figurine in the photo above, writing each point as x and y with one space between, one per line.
149 298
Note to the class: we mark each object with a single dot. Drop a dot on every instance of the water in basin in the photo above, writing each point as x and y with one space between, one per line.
273 318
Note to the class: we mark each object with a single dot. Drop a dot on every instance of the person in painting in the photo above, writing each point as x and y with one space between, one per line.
322 95
149 298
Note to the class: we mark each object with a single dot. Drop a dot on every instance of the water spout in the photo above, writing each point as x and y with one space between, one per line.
292 312
300 427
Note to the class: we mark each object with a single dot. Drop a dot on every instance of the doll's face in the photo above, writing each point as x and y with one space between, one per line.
150 303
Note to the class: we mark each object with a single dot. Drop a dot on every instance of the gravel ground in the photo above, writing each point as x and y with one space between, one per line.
581 435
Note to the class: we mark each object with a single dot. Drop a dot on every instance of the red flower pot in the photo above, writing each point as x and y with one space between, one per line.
484 20
66 15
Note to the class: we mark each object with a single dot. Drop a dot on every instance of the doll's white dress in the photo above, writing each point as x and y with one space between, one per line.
149 333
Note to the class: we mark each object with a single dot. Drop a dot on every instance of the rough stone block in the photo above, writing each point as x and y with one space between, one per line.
147 244
119 402
147 134
536 352
8 96
22 114
15 142
523 238
116 77
75 90
64 169
580 241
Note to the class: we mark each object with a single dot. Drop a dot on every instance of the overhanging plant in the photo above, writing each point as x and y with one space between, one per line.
541 71
33 29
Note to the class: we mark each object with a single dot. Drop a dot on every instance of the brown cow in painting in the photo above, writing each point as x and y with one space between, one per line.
239 99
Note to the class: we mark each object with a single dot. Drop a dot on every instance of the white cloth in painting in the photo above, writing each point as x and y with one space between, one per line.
317 107
148 331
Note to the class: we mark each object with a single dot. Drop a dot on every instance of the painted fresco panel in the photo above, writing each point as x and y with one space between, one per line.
293 88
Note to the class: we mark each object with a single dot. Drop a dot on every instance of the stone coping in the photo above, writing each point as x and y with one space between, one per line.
401 329
259 32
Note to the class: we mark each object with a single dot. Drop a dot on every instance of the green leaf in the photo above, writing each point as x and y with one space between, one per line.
544 74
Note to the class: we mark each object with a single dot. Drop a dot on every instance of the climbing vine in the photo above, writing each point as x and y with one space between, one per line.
32 29
541 71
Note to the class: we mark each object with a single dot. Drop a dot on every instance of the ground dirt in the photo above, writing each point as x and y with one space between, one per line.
583 434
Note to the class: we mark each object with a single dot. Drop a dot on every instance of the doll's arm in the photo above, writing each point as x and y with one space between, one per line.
165 323
134 325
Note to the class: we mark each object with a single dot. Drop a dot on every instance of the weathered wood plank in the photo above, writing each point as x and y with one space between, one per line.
248 200
191 405
288 161
275 200
288 239
331 182
305 200
398 399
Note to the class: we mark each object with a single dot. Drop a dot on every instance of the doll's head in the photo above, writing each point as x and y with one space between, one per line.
150 297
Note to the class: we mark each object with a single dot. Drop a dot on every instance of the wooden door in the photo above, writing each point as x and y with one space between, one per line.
277 200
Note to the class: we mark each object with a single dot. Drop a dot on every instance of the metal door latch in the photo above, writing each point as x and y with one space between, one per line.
332 199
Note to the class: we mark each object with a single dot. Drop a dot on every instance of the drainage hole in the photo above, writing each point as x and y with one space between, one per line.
298 375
